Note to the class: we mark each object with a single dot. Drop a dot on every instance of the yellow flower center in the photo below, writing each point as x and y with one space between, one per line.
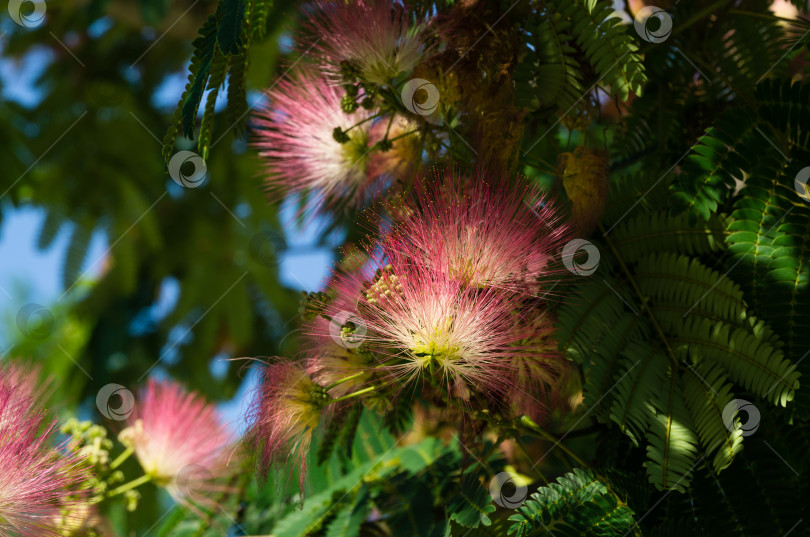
435 348
356 150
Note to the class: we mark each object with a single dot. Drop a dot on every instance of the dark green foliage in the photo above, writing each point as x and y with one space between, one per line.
654 322
551 72
577 504
472 505
563 37
221 49
347 523
204 53
229 29
709 172
609 47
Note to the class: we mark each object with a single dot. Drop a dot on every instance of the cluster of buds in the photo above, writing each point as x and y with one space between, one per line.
383 284
312 304
91 439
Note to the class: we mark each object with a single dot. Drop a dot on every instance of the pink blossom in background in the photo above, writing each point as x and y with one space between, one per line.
40 482
285 411
179 439
376 37
295 136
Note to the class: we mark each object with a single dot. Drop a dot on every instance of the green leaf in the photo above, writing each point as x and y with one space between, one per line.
347 523
578 504
204 51
231 14
673 444
472 504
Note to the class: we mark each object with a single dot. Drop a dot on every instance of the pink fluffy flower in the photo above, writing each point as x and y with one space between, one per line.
178 439
295 134
540 374
374 39
39 484
26 381
480 229
424 323
284 413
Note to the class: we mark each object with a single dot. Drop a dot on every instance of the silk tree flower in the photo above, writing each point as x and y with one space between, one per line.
179 440
25 379
40 485
374 40
295 135
425 324
480 229
402 159
284 413
541 374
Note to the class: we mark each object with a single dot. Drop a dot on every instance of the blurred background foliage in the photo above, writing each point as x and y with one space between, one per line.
155 278
87 153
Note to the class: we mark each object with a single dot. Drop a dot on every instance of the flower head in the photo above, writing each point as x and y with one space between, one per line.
540 373
178 439
481 230
24 379
284 413
424 324
39 482
296 133
374 40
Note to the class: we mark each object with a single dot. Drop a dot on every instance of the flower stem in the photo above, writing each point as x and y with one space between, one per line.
404 134
347 379
121 458
355 394
131 485
362 121
536 469
388 128
527 422
493 447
